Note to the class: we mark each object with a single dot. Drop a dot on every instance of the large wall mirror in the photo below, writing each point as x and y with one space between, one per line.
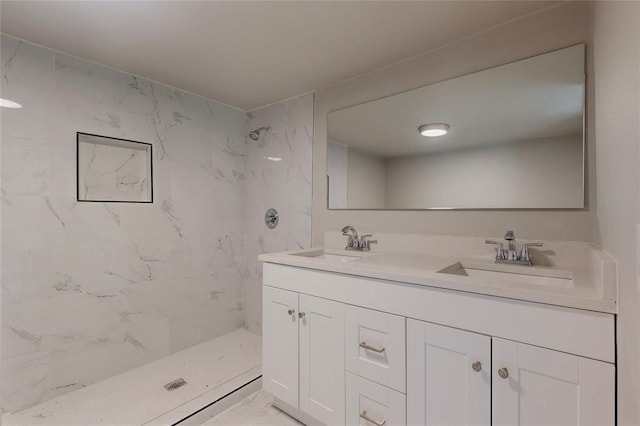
515 141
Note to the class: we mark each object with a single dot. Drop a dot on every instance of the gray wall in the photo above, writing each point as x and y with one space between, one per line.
366 180
560 26
616 36
543 173
612 213
337 172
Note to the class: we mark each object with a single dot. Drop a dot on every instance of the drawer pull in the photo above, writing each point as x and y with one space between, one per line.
364 345
364 416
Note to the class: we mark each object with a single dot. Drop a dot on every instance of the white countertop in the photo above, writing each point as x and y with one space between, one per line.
422 269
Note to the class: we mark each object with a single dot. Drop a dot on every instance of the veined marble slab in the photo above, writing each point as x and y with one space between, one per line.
278 175
93 289
138 396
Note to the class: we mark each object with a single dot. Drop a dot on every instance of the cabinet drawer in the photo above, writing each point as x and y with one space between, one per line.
369 403
375 346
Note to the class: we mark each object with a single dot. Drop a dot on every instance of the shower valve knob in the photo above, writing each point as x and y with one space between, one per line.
271 218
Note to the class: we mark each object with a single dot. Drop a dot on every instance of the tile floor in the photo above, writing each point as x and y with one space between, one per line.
253 410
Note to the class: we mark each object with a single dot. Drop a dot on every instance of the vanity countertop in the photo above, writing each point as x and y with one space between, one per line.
583 292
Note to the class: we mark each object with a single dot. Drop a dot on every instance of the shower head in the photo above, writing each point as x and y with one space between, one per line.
255 134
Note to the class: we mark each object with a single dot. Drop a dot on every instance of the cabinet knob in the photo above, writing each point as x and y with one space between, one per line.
291 311
503 372
301 315
477 366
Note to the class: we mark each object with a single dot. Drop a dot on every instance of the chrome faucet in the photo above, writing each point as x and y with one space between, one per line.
511 256
354 242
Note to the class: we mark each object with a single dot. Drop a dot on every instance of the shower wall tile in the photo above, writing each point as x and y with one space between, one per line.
80 364
27 376
93 289
203 323
278 176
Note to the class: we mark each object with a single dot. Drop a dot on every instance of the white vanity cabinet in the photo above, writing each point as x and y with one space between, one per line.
455 377
303 353
351 349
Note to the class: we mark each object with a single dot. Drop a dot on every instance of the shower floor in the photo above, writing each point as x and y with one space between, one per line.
212 370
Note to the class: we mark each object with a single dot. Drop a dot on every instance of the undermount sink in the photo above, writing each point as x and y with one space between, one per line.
511 274
329 257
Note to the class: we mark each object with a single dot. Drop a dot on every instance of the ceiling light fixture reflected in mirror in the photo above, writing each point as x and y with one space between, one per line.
6 103
433 129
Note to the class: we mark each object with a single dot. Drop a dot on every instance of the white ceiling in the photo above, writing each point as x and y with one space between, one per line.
535 98
250 54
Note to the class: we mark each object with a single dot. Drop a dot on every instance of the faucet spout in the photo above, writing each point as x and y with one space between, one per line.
352 242
512 253
511 239
351 229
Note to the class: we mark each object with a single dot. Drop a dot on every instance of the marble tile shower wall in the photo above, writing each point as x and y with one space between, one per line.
90 290
278 176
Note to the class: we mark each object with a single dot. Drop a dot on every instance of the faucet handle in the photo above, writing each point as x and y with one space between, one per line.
500 249
525 251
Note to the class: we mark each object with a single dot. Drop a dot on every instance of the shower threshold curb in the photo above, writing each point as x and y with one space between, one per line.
210 404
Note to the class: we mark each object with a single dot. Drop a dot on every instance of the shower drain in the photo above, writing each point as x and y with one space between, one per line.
177 383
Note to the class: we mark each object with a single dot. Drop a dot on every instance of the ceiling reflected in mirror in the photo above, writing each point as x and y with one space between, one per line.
514 140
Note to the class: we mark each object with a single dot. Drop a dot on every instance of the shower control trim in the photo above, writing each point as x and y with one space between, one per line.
271 218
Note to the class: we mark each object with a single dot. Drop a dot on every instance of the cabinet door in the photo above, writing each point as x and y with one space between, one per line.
280 344
322 386
448 376
536 386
